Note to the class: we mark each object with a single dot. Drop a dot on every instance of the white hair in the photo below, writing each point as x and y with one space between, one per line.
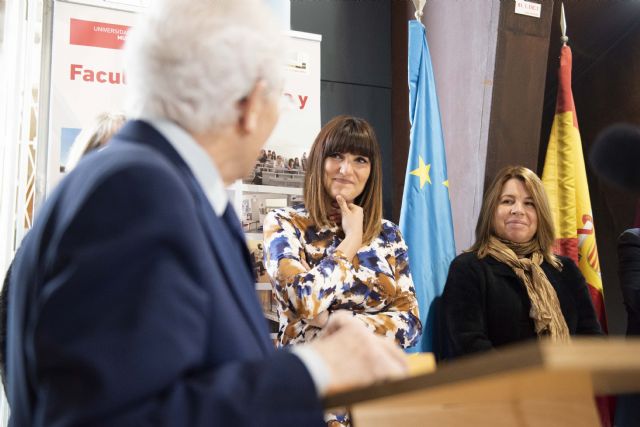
192 61
94 136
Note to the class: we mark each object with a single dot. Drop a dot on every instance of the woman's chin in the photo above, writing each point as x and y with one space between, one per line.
519 239
346 197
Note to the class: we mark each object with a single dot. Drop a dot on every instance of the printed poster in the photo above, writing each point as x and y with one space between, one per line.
87 73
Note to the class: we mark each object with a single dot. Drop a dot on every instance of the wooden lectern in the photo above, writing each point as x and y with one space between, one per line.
530 384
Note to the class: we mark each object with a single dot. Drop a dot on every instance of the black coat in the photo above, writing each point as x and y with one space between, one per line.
629 272
486 305
628 406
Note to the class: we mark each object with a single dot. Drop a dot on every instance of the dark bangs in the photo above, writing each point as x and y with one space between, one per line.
345 134
355 136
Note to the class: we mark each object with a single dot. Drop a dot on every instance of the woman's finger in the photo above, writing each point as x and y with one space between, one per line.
342 203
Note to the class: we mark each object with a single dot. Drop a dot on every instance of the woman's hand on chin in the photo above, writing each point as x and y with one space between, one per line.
352 223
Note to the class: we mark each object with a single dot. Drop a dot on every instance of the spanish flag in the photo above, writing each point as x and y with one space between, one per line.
565 181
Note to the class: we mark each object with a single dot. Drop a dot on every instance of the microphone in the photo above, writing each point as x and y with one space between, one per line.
615 156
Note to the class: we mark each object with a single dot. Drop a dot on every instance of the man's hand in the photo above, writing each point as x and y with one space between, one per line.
355 356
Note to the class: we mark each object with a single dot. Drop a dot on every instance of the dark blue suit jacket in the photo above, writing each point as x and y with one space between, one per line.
629 272
131 303
628 406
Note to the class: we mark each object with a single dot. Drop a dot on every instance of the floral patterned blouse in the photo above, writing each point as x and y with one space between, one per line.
375 285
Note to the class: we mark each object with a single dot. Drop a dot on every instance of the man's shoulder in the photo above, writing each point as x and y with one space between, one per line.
630 236
119 180
121 158
125 153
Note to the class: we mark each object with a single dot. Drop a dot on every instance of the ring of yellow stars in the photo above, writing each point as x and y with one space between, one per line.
422 172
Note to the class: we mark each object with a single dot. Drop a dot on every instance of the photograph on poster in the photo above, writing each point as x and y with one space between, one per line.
68 135
298 61
86 73
277 169
263 284
256 249
255 206
283 161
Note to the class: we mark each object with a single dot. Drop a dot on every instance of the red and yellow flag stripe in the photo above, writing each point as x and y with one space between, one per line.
565 180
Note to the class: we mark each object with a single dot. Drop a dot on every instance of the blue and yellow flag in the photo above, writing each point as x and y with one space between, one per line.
425 218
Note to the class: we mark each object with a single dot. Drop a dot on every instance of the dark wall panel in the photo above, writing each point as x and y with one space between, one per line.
372 104
462 40
356 38
356 66
609 93
401 12
518 95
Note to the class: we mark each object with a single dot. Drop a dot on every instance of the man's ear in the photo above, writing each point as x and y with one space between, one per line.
251 107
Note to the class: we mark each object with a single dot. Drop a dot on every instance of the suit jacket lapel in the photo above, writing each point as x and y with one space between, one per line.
233 257
230 250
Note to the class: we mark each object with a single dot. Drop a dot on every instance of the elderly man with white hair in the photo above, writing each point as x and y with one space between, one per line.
132 299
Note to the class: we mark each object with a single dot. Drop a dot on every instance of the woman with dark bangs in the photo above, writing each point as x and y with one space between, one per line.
336 252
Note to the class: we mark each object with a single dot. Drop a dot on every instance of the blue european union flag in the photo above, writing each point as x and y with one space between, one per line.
425 218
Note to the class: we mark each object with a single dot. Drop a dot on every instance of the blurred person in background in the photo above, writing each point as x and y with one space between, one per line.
94 136
614 157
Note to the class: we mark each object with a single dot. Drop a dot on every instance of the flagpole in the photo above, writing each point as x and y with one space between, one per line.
419 6
563 26
564 177
425 216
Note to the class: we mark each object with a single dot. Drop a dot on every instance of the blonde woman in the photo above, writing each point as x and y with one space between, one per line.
509 286
94 136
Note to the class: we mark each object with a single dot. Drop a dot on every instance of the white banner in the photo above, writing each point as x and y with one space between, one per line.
87 78
300 119
284 159
87 73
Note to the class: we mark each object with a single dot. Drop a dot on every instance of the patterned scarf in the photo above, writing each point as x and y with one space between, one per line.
525 260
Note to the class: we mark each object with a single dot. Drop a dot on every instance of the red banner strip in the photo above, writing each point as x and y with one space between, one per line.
97 34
